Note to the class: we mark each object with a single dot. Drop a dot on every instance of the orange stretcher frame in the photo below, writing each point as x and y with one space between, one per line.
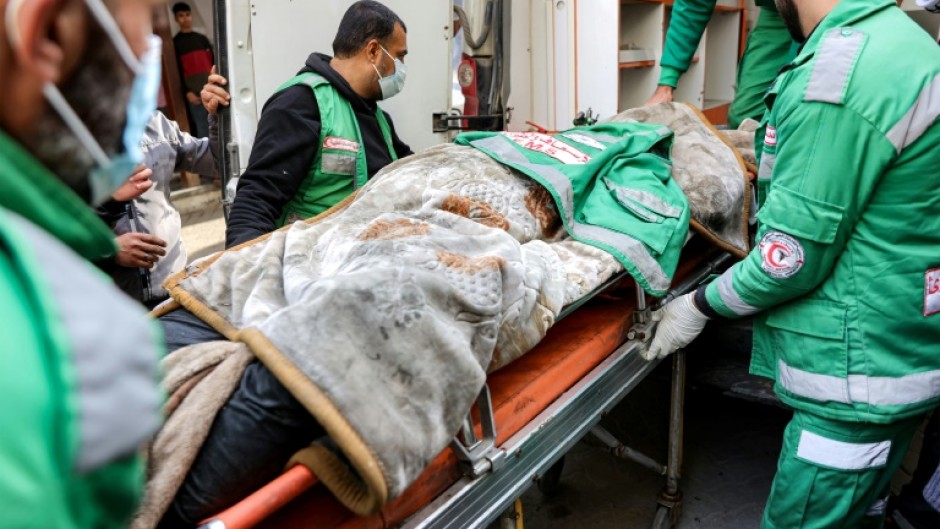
520 391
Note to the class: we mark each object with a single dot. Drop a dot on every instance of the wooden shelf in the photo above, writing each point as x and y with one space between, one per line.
636 64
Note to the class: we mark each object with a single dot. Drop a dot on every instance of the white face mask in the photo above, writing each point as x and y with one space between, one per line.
110 172
392 84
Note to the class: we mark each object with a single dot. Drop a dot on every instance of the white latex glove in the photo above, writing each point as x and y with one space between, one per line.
679 323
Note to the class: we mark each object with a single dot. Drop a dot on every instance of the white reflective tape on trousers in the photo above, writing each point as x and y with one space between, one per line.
841 455
876 391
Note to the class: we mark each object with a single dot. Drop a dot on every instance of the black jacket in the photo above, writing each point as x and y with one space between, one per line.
285 147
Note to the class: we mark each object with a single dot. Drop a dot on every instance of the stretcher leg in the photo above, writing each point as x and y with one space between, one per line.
670 498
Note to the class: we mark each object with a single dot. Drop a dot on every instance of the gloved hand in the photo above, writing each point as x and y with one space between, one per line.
679 323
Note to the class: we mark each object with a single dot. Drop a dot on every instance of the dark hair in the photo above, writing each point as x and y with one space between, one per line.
179 7
365 20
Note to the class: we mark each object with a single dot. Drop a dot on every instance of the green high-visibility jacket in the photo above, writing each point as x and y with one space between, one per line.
845 281
686 27
339 167
613 187
78 388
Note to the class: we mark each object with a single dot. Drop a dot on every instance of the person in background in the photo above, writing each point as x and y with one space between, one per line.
300 164
78 390
195 59
148 226
844 289
769 47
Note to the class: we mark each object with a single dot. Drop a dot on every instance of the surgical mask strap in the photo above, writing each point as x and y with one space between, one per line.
74 123
107 23
394 63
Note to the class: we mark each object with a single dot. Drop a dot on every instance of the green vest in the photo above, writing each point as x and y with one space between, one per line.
78 395
612 185
848 263
339 167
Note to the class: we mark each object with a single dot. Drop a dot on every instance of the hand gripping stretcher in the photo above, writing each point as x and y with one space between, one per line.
529 414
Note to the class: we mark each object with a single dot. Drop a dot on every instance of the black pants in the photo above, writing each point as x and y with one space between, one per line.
911 503
252 438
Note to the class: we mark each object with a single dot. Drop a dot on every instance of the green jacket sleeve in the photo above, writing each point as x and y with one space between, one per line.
828 163
689 18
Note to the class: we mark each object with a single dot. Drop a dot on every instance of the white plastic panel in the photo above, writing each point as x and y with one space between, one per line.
721 59
691 86
597 46
285 32
562 24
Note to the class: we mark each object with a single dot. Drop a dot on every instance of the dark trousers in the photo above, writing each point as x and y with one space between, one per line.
251 440
911 503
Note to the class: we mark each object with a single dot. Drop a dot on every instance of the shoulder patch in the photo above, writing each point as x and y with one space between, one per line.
835 61
781 255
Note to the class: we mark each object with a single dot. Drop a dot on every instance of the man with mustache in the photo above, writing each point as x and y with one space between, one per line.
844 285
78 389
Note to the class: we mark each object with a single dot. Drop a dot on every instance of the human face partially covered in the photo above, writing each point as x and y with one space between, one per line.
382 57
96 88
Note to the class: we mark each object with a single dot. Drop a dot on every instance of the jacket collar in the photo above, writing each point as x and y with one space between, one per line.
846 13
30 190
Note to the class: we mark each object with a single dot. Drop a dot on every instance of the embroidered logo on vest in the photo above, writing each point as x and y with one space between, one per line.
341 144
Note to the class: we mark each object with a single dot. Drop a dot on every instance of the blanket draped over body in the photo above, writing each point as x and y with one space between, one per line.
383 315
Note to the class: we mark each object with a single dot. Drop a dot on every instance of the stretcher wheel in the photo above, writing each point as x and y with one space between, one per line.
549 481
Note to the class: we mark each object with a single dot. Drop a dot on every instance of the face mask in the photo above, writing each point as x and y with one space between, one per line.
111 172
392 84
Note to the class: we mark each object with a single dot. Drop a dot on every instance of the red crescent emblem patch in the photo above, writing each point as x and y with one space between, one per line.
782 255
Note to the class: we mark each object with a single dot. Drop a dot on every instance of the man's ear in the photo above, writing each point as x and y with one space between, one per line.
42 31
373 49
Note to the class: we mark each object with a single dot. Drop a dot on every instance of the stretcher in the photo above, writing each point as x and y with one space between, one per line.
527 417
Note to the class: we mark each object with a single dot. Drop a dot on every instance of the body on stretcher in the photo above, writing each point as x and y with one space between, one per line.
529 415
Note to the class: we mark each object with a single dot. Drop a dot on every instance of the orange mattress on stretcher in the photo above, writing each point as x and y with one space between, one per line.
520 391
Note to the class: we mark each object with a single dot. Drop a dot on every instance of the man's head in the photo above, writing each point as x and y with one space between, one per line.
184 16
369 40
60 43
802 16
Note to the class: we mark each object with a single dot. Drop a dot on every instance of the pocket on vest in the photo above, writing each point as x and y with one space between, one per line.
338 163
810 343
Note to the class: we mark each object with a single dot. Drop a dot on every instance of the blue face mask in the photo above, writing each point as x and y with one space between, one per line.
111 172
392 84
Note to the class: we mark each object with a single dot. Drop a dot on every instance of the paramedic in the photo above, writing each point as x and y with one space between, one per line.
78 389
322 135
769 48
846 290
